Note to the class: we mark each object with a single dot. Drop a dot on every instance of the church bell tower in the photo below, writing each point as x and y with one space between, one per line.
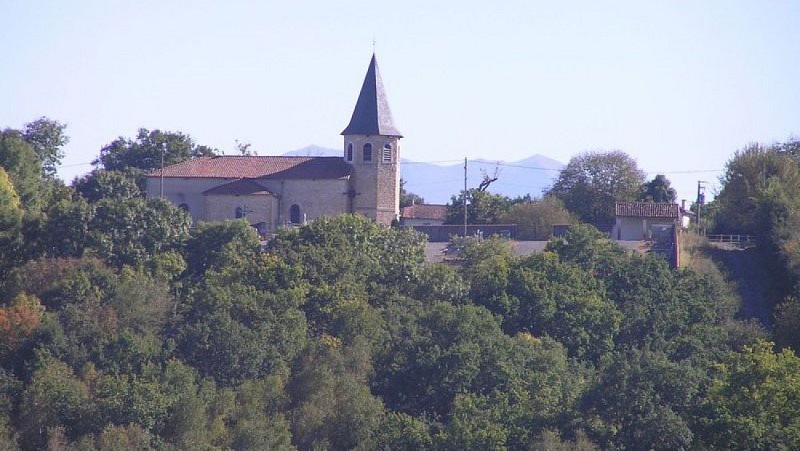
372 148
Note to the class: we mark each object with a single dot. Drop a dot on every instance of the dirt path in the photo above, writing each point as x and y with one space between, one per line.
747 277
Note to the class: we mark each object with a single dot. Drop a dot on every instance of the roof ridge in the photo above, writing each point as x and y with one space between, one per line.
372 115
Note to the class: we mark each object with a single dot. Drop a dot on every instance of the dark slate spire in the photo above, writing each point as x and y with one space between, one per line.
372 115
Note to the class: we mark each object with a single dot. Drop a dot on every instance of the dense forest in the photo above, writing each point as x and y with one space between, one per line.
124 327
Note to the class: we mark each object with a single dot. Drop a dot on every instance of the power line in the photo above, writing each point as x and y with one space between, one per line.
496 163
73 165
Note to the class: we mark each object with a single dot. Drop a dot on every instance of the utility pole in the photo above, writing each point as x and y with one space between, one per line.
465 197
163 151
701 198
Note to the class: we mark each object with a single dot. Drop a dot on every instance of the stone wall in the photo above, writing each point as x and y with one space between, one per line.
188 191
377 184
258 208
315 198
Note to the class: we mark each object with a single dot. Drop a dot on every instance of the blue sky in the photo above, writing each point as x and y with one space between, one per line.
678 85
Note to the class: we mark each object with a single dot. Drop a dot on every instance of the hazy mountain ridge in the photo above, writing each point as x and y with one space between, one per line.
437 183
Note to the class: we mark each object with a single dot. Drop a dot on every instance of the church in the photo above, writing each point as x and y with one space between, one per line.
274 191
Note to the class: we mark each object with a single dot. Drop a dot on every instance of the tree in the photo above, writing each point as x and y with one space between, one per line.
593 182
483 207
243 321
18 322
747 176
641 400
10 222
47 138
54 397
535 219
355 249
67 228
332 404
21 163
565 302
408 198
658 190
216 245
101 184
787 324
750 402
132 231
146 151
759 197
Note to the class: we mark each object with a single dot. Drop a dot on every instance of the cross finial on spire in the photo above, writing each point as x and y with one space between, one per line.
373 44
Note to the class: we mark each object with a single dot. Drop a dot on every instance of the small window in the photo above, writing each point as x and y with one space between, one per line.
387 153
185 207
367 156
240 213
294 214
349 155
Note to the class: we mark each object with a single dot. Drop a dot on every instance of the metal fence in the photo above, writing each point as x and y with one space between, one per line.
740 240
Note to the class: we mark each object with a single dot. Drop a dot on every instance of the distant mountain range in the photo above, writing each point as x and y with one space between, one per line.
436 183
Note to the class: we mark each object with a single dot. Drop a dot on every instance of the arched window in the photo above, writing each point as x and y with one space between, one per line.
294 214
349 155
367 156
387 153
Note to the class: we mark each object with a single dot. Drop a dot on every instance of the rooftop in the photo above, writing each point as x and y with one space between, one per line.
372 115
647 210
254 167
241 187
425 211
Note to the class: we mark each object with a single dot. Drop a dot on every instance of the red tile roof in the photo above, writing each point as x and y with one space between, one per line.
275 167
647 210
425 211
241 187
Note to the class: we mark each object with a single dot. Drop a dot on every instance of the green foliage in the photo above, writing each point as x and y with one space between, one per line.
54 397
243 322
66 230
46 137
353 246
145 152
751 403
258 420
332 404
535 219
403 432
10 223
408 198
748 175
759 197
475 424
564 302
131 436
585 246
658 190
641 400
592 182
130 232
483 207
787 324
102 184
214 246
23 167
120 328
440 283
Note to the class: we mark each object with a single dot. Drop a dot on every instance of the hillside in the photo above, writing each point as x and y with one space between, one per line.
748 279
436 183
